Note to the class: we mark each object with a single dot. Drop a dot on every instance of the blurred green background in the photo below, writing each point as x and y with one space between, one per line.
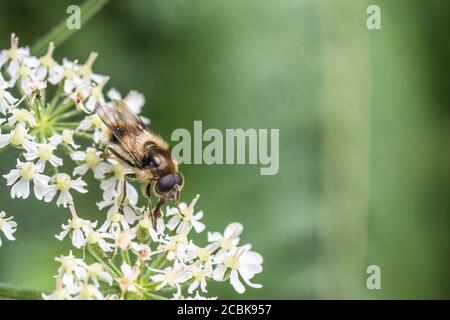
363 118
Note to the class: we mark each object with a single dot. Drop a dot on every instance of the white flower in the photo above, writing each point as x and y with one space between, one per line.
94 237
80 229
32 87
97 272
25 173
44 152
242 263
23 70
48 65
72 269
200 272
85 70
60 293
67 137
128 207
81 93
145 225
115 224
14 52
230 238
68 72
202 254
124 239
7 101
134 100
128 281
113 185
175 246
18 137
93 122
91 160
142 251
172 276
89 292
96 96
183 220
22 116
63 182
8 226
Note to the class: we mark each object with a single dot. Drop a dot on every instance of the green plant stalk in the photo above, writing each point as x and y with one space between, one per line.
8 291
94 256
61 33
66 115
62 108
56 98
126 257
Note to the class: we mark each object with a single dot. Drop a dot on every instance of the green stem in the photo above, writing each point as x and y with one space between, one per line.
8 291
157 264
66 115
60 32
94 256
126 257
84 135
62 108
56 97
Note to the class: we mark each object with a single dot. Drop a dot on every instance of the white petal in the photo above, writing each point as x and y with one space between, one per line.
173 222
64 199
40 190
12 176
8 231
198 226
78 155
78 238
81 170
56 161
219 272
198 215
63 234
236 283
50 193
21 189
214 236
78 185
233 229
193 286
249 283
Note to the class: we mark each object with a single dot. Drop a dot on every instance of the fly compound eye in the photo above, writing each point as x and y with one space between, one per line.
166 183
178 179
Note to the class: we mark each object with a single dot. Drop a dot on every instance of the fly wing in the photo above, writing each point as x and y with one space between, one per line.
127 129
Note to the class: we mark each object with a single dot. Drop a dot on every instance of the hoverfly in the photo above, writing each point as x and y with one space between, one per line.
146 156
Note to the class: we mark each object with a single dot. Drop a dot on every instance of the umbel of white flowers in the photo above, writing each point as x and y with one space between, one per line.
46 116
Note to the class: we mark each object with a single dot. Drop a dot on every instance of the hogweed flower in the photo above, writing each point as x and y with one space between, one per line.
45 117
7 226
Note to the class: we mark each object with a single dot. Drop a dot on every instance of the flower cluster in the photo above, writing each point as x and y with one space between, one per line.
47 116
138 262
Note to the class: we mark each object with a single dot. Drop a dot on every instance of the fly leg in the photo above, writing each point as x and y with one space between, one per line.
157 212
124 189
148 194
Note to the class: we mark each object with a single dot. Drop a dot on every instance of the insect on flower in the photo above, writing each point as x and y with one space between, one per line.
145 154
